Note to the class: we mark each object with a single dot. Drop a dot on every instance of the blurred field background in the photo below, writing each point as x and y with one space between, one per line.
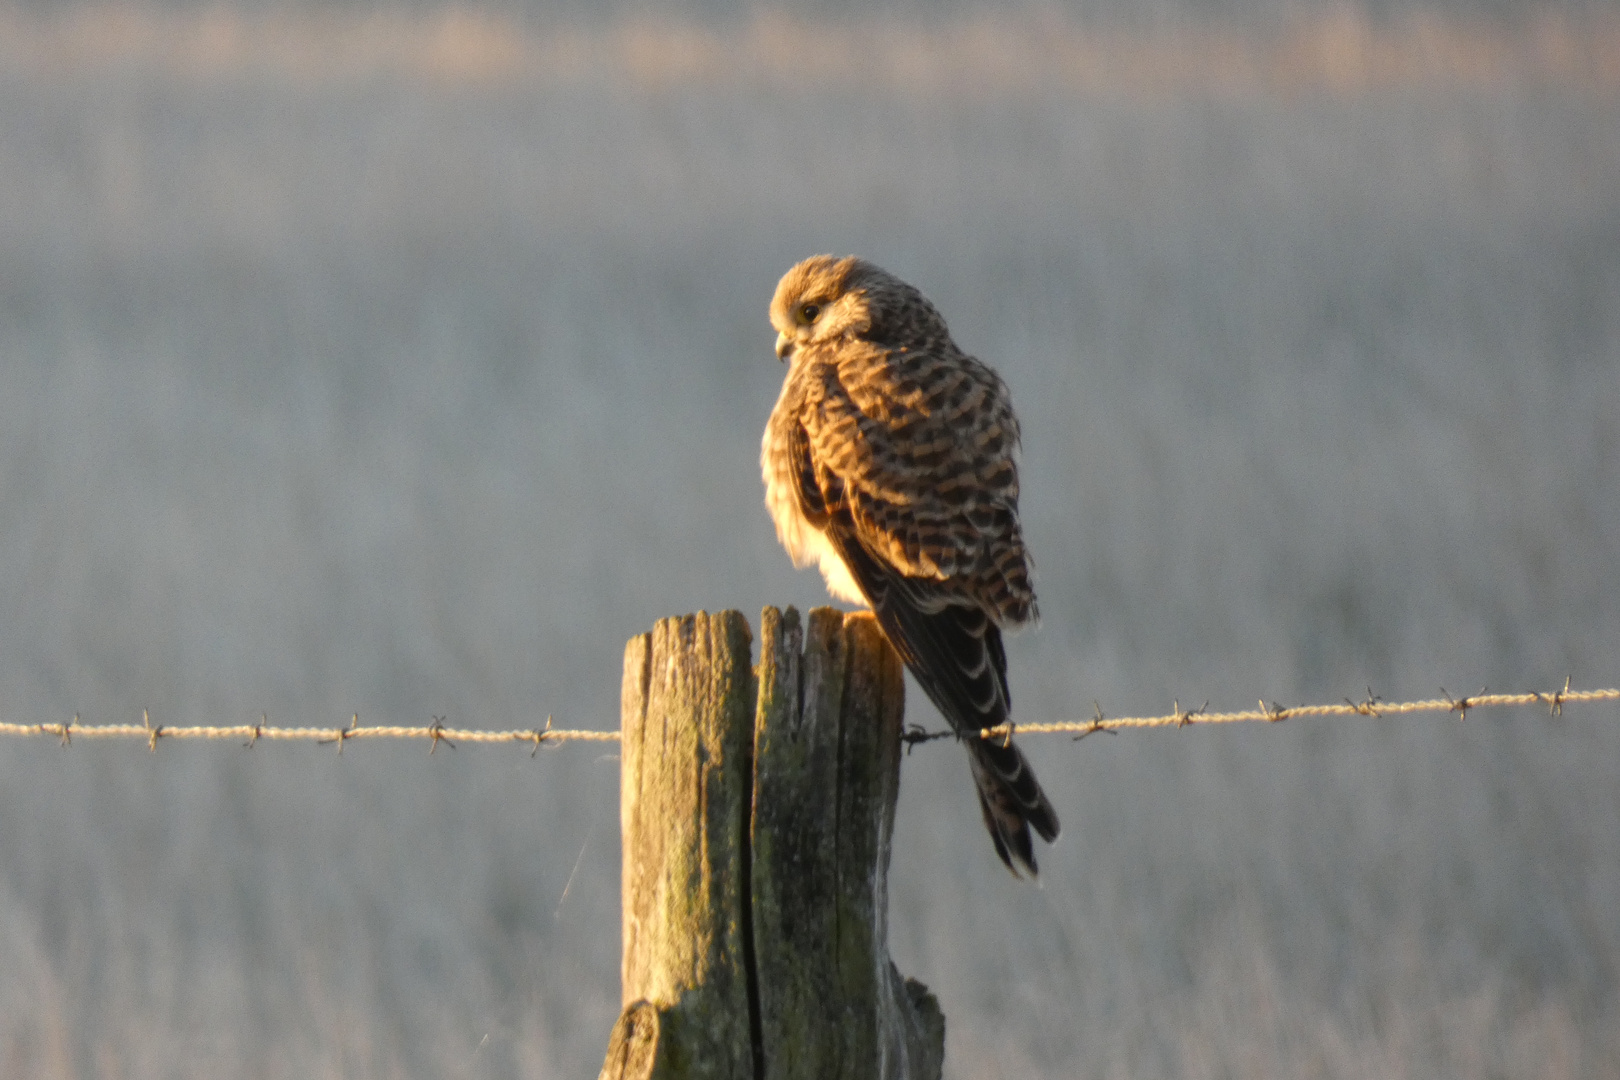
407 360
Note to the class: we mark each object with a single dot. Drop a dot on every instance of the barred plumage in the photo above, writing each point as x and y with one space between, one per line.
891 461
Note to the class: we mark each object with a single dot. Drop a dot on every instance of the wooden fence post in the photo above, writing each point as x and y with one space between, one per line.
757 809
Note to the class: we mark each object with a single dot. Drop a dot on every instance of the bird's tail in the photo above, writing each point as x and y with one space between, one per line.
1012 801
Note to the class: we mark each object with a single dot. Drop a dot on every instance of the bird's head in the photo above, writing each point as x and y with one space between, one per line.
824 298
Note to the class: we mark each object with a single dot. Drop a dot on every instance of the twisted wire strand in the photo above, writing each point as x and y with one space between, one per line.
1372 705
437 732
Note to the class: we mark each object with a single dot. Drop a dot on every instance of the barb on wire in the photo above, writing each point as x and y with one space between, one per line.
915 734
437 731
341 735
539 736
1368 706
1185 717
1464 703
1556 702
1097 724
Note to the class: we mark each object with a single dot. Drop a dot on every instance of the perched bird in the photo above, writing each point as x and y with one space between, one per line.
891 461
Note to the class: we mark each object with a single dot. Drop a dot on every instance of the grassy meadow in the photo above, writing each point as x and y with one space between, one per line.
408 361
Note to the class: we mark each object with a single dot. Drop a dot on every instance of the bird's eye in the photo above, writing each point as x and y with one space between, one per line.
808 313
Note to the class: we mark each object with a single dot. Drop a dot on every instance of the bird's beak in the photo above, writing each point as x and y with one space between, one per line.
784 345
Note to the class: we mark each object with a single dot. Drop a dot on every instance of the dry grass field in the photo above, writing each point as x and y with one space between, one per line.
407 361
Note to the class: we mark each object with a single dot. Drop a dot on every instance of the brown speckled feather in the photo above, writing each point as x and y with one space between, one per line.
891 459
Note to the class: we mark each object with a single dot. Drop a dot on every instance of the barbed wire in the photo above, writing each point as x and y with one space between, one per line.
438 733
1371 705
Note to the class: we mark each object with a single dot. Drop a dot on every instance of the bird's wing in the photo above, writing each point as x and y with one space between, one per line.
955 652
923 452
912 479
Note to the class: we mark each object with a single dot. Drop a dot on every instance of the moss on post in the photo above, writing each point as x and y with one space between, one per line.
826 776
756 853
685 775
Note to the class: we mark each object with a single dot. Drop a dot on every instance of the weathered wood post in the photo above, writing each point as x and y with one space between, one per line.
757 809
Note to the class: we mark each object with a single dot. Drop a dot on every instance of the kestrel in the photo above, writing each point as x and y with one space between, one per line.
891 461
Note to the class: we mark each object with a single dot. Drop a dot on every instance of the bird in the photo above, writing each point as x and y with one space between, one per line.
891 462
